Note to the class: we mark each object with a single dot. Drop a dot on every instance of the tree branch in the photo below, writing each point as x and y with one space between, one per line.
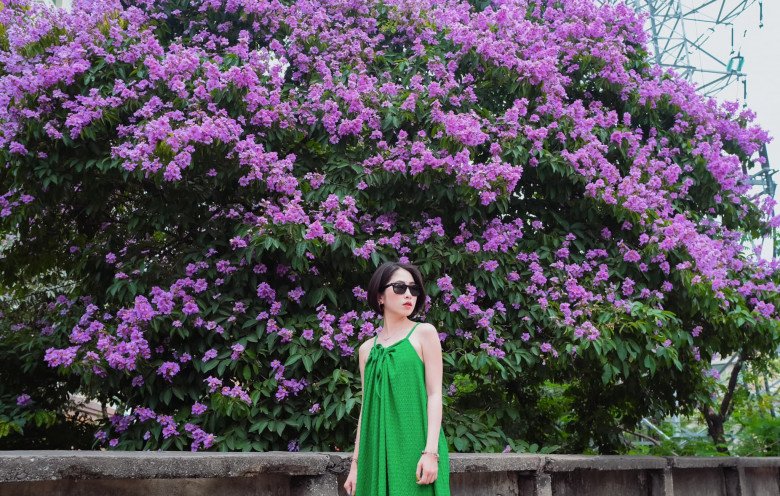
727 398
646 438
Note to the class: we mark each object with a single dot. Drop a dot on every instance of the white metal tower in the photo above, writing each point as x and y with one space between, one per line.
687 36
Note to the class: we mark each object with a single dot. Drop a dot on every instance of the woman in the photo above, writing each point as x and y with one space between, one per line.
400 448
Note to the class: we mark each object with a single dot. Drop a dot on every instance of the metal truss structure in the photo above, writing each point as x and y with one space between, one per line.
686 35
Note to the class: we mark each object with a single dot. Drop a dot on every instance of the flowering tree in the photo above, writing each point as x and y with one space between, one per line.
211 183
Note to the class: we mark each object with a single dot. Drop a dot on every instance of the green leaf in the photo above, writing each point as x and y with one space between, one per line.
649 363
606 374
308 363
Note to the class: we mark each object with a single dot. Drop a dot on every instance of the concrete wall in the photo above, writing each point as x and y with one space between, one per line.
91 473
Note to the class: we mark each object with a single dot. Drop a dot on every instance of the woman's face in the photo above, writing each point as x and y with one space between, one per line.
400 304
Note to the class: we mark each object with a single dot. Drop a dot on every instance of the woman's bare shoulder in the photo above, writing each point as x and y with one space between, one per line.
365 346
427 330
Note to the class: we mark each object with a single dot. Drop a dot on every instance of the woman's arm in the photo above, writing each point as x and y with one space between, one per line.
431 348
362 365
350 485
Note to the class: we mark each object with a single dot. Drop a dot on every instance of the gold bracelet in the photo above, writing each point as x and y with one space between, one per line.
430 453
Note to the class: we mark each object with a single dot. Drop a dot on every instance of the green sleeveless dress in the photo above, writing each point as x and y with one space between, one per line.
394 425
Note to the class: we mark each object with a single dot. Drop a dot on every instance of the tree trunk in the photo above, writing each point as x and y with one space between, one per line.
716 420
715 428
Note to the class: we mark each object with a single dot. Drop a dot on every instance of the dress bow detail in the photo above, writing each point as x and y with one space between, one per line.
380 355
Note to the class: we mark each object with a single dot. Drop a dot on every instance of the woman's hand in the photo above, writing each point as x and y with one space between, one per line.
427 469
351 482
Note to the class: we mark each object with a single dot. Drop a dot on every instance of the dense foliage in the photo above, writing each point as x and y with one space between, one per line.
196 192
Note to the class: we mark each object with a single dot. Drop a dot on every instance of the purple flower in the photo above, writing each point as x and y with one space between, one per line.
265 292
628 286
23 400
60 357
17 148
209 355
296 294
145 414
143 309
238 242
198 408
200 438
213 383
236 392
200 285
167 370
632 256
445 283
360 293
190 308
490 265
170 430
237 350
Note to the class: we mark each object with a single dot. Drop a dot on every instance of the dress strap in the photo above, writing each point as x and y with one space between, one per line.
413 328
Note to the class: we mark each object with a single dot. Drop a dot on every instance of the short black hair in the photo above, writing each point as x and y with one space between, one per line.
382 276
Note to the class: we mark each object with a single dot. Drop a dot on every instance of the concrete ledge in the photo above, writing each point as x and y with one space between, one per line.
702 462
763 462
82 465
568 463
492 462
89 473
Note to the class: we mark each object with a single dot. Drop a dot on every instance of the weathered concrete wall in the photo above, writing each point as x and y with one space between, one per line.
91 473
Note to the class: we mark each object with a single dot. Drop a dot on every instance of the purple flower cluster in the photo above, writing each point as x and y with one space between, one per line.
200 438
168 369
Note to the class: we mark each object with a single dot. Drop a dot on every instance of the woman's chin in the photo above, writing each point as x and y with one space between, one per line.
404 312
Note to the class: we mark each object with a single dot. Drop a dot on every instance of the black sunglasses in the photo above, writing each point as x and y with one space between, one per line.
399 288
